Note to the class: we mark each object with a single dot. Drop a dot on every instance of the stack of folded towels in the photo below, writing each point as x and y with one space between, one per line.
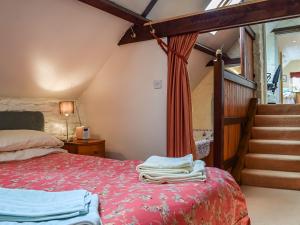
161 170
77 207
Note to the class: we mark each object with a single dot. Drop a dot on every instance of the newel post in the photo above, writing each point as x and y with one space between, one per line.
218 110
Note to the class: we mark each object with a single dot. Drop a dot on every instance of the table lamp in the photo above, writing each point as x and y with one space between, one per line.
66 108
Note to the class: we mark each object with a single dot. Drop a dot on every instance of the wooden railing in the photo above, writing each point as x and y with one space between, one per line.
232 95
244 142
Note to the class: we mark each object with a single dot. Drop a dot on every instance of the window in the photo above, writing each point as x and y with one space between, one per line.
296 84
218 4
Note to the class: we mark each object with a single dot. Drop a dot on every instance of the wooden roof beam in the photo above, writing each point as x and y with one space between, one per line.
207 50
149 8
117 10
229 61
286 30
239 15
130 31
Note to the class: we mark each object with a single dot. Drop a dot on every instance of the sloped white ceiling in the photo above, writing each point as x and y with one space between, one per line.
53 48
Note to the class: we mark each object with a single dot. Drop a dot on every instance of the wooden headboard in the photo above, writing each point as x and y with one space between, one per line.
16 120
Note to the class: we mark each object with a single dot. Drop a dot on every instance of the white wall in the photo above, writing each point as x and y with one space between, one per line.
292 66
197 67
202 97
122 106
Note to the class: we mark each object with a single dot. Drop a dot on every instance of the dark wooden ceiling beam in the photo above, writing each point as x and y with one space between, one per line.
239 15
130 31
229 61
251 32
207 50
117 10
287 30
149 8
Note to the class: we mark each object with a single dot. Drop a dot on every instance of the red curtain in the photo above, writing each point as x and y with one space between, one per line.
180 139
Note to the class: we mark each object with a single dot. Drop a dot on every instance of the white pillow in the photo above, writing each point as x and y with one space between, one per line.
14 140
28 154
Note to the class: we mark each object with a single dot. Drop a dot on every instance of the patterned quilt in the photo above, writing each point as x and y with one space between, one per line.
124 200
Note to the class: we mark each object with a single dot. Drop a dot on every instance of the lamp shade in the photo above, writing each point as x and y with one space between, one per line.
66 108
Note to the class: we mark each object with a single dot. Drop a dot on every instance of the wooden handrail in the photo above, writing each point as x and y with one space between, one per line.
240 80
244 141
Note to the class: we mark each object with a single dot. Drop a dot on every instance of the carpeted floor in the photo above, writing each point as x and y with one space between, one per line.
272 206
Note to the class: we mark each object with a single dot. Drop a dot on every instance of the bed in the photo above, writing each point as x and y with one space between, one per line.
126 200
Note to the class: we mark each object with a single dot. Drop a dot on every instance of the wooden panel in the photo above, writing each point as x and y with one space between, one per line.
231 140
236 102
236 99
233 120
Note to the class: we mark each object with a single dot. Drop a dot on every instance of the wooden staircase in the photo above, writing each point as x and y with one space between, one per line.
273 159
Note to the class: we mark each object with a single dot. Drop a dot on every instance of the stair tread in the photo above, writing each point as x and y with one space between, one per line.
277 128
279 109
281 147
266 141
275 105
274 156
278 116
272 173
276 133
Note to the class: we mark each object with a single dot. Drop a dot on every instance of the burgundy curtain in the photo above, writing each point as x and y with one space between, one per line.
180 139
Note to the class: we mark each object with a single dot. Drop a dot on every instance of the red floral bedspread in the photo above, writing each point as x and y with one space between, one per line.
125 200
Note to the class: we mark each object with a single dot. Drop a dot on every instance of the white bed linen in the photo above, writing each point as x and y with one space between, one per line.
13 140
27 154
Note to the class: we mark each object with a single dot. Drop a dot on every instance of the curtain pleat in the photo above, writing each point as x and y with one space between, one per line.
180 139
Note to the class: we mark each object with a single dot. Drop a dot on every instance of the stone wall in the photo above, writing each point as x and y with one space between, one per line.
55 123
259 62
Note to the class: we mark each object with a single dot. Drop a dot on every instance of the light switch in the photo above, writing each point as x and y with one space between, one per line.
157 84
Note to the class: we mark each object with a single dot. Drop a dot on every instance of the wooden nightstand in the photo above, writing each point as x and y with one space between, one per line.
92 147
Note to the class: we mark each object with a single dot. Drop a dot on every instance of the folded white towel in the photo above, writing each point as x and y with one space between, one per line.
157 176
166 164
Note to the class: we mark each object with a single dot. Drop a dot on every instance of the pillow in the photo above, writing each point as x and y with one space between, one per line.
14 140
28 154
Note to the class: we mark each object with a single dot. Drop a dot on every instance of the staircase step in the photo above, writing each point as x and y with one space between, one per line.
271 179
290 163
280 109
277 120
282 147
276 133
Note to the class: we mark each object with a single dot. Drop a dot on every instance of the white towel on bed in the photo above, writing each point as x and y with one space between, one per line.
167 165
171 170
197 174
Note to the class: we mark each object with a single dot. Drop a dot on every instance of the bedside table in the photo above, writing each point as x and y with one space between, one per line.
91 147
